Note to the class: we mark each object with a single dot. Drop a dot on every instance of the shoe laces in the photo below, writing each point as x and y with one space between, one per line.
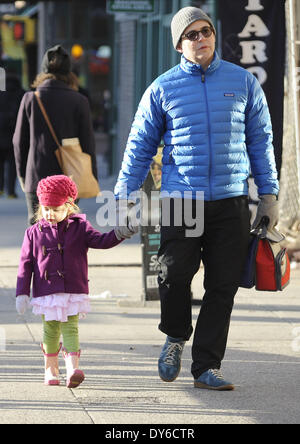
173 350
217 373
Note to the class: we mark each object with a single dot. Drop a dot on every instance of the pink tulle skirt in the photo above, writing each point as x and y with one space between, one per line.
57 307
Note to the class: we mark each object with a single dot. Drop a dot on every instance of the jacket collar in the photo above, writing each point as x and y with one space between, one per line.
65 223
193 68
52 83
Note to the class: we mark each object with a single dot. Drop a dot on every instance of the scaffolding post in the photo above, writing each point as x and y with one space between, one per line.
294 69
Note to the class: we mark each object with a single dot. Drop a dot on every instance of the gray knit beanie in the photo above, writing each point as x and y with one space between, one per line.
56 61
184 18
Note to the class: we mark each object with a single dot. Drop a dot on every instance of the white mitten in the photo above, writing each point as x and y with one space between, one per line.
22 303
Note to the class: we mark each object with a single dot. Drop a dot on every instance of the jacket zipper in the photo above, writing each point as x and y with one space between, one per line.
209 136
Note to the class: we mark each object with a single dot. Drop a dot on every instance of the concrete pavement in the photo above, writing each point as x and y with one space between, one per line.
121 343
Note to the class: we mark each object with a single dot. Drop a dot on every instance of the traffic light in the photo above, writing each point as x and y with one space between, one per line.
77 52
19 30
23 28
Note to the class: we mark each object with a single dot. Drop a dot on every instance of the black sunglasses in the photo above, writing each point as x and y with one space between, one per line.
193 36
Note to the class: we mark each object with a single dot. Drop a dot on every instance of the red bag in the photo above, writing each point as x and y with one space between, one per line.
267 266
272 266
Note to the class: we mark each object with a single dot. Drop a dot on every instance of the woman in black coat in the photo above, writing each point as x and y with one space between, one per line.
10 100
69 113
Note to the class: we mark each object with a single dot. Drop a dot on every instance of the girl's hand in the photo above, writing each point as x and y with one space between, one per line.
22 303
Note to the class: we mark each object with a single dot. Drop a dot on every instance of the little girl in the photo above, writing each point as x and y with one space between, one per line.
54 251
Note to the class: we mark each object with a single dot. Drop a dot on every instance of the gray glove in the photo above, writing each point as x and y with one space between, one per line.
126 223
267 207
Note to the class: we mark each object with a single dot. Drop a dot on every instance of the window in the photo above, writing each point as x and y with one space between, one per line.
61 22
143 66
155 50
297 61
297 21
168 6
167 49
78 12
98 20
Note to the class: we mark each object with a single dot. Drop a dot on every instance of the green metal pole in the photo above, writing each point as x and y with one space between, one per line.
213 8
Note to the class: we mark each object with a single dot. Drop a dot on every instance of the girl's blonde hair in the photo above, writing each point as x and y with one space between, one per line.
72 209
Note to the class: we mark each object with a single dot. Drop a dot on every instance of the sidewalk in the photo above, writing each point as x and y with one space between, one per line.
120 346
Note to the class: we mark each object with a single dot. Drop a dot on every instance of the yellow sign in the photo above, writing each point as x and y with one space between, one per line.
156 169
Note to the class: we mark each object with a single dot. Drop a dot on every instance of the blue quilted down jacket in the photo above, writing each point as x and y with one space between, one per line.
216 127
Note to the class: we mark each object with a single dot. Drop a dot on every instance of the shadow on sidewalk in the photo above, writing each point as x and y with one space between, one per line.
123 379
121 370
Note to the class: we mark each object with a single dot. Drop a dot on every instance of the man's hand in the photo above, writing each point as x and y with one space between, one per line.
126 225
267 207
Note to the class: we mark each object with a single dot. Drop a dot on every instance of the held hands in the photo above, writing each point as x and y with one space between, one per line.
126 222
267 207
22 304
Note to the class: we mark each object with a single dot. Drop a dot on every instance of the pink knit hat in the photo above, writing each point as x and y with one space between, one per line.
55 191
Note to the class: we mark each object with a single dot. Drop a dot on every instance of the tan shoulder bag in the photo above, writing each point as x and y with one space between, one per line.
73 161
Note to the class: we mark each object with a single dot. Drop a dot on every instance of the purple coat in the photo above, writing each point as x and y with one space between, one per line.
56 256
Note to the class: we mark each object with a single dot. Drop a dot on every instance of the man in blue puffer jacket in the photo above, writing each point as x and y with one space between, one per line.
215 123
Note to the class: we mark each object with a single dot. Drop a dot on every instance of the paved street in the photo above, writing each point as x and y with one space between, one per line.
120 345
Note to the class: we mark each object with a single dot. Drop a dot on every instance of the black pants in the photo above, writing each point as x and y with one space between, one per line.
223 249
32 207
7 158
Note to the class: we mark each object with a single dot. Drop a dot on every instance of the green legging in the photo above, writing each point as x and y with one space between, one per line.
53 331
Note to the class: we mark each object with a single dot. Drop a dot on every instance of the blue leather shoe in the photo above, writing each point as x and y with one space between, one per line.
213 380
169 364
